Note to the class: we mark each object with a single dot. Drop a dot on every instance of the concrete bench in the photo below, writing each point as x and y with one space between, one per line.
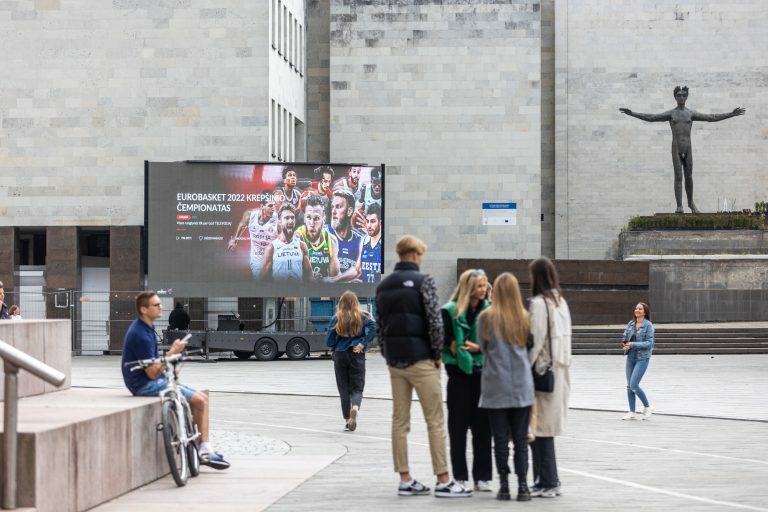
82 447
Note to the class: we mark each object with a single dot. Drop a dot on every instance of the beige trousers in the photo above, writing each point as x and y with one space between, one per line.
424 377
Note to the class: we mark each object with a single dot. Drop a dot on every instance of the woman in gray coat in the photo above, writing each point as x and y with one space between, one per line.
551 329
507 384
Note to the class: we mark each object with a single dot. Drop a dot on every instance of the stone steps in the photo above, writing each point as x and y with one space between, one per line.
678 340
82 447
77 448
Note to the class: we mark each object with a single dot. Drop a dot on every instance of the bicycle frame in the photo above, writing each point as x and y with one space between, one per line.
173 394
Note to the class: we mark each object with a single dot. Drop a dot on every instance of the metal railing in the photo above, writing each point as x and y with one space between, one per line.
13 359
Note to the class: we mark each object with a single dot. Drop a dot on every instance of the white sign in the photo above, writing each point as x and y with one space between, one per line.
499 214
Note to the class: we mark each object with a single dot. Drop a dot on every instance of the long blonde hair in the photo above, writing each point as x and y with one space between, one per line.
349 315
507 319
463 291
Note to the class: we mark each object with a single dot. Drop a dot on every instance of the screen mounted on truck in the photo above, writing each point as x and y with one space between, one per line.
264 229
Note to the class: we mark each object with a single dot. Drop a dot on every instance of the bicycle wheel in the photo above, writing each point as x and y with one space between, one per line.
174 450
193 457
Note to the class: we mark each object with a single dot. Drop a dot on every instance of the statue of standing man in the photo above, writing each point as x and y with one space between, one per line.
680 121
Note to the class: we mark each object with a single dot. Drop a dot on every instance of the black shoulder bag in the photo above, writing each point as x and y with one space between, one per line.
545 382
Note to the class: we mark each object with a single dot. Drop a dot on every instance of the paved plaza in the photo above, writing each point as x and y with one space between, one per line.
279 424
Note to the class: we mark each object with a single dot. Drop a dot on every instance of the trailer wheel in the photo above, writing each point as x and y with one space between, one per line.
297 348
243 355
266 349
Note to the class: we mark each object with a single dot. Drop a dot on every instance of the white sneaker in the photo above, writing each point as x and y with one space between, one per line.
452 489
483 486
647 411
631 416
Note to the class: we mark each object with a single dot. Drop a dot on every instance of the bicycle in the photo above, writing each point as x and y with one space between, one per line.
179 430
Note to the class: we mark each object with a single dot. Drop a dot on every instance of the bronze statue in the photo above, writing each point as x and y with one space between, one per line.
680 120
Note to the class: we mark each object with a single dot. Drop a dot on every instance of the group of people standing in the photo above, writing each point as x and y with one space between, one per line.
490 347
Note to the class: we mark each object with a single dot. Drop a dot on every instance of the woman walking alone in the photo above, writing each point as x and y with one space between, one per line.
550 321
507 390
464 362
637 343
350 332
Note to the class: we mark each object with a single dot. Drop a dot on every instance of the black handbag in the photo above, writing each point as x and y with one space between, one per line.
545 382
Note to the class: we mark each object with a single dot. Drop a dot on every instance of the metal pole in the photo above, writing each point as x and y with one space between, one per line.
10 446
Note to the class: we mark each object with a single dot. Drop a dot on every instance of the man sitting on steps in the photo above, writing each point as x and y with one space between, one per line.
141 343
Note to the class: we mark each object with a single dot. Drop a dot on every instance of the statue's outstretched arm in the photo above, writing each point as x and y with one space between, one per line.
651 118
712 118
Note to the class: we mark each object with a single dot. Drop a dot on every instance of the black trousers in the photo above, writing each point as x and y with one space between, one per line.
544 462
350 378
464 414
505 424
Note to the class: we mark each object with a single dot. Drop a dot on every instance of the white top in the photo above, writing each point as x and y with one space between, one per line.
287 260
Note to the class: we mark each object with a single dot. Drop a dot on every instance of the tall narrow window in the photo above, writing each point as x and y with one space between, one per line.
279 132
290 137
273 19
300 64
272 131
285 32
279 27
290 39
296 43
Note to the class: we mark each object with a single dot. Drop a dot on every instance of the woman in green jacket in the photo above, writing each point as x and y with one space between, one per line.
464 363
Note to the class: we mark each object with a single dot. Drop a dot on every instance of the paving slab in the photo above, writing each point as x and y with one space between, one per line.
280 424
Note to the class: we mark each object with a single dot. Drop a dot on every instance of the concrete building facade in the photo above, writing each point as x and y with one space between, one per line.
466 102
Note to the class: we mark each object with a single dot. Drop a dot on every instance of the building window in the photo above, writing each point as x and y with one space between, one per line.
285 33
273 18
279 27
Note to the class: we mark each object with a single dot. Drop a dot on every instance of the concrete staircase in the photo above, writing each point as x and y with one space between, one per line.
696 339
78 447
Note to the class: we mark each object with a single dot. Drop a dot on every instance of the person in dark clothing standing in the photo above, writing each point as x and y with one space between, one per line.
411 338
349 333
464 363
4 314
178 319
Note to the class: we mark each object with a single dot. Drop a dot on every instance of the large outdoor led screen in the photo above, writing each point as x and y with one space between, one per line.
264 230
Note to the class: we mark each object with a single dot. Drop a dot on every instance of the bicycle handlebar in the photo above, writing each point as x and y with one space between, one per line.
164 360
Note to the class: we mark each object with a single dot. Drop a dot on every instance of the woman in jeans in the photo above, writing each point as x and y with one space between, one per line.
507 391
550 321
637 343
349 333
463 363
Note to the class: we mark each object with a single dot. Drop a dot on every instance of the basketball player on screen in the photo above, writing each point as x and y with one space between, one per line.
287 258
262 229
323 248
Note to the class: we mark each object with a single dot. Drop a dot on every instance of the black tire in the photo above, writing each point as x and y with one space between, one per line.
297 348
193 459
266 349
174 451
243 355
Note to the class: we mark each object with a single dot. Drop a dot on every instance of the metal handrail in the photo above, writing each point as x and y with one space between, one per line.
13 359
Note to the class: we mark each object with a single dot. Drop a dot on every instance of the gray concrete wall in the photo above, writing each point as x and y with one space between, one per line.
317 80
632 54
49 341
91 90
448 96
709 290
703 276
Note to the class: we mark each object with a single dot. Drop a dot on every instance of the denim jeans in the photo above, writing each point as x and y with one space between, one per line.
635 371
511 424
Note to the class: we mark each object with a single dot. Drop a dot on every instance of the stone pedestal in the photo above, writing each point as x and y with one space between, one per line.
703 276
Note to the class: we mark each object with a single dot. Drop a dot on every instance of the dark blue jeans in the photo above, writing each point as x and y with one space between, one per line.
635 371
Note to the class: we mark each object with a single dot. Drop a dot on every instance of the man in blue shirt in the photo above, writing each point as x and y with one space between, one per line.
141 343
